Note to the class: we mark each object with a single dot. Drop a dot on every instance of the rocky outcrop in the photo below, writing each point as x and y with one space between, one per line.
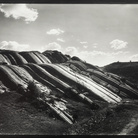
65 76
55 56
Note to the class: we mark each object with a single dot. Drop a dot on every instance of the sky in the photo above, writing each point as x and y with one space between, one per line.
99 34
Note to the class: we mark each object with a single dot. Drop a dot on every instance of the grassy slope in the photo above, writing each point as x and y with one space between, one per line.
109 120
20 116
128 70
23 116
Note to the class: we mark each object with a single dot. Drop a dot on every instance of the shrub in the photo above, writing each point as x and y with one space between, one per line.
33 90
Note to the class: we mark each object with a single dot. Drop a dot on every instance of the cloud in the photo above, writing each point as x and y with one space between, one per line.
60 39
119 52
85 46
55 32
95 45
118 44
75 51
83 42
134 57
71 51
95 57
101 58
52 46
12 45
19 11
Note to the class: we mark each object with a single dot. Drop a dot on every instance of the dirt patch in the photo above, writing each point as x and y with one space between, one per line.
130 126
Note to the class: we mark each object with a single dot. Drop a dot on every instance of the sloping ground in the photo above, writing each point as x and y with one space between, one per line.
12 57
130 126
55 56
113 120
26 117
15 78
124 69
69 89
34 57
116 84
20 116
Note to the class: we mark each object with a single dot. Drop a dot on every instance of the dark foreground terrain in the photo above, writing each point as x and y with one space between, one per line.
23 116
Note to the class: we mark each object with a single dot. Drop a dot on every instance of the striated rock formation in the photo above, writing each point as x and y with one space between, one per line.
65 77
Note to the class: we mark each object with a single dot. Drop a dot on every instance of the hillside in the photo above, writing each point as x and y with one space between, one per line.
129 70
51 93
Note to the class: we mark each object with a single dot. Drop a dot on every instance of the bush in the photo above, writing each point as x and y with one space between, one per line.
33 90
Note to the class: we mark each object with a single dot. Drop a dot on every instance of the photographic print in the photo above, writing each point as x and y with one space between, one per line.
68 69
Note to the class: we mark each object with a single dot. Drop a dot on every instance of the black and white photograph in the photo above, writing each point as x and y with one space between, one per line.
68 69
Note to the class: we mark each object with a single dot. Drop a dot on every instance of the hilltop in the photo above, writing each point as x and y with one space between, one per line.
50 93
